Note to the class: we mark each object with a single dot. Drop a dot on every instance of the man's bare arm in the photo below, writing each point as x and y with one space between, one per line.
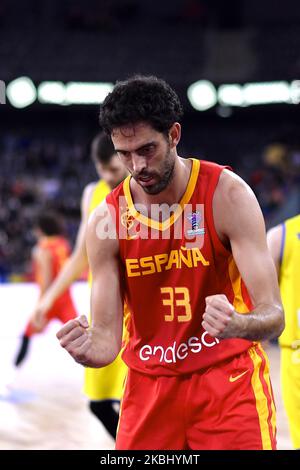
98 345
73 267
42 258
274 240
239 221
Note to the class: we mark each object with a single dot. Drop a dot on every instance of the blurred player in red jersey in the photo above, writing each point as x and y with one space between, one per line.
104 387
183 242
49 255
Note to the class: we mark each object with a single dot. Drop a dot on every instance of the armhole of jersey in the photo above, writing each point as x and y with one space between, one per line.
210 214
282 244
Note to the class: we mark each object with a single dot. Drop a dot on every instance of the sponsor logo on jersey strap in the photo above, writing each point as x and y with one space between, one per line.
237 377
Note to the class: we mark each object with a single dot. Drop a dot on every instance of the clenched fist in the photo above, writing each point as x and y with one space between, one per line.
218 316
75 337
89 346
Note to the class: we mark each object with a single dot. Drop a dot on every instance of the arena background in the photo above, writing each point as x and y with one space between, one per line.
44 152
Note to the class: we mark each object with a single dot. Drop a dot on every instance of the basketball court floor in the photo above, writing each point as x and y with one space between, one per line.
41 404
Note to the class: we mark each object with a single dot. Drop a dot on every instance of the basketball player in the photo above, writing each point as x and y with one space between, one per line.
102 386
194 268
284 244
49 256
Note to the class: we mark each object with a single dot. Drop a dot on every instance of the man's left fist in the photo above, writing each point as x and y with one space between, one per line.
217 315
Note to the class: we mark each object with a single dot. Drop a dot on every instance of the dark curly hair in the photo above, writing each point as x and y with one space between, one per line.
49 222
141 98
102 149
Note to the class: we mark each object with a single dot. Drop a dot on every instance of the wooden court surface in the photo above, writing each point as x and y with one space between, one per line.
52 412
45 408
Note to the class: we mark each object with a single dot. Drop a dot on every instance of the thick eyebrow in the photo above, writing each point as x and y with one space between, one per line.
139 148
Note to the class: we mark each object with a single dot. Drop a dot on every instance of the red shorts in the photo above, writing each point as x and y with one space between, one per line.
63 309
227 406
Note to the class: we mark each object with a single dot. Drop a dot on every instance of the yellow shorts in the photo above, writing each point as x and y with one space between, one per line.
290 382
105 383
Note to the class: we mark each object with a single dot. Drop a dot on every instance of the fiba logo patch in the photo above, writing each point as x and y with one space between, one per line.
195 219
2 92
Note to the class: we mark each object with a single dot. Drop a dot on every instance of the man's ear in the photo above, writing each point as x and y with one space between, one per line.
174 134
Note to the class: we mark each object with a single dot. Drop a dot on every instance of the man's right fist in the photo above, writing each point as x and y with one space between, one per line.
75 337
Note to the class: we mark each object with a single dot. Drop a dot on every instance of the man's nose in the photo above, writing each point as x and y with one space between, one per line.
139 163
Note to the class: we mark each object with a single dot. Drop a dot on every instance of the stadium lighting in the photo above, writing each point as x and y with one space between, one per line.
202 95
230 95
87 93
73 92
254 93
21 92
235 94
51 92
265 93
295 92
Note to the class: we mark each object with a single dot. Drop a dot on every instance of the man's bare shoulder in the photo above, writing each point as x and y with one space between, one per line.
40 253
232 187
101 230
87 194
235 206
234 195
100 212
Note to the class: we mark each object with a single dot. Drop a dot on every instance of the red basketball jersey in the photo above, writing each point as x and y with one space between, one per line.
59 249
168 268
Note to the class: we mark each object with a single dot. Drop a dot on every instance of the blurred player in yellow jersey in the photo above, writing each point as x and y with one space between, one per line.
284 244
102 386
